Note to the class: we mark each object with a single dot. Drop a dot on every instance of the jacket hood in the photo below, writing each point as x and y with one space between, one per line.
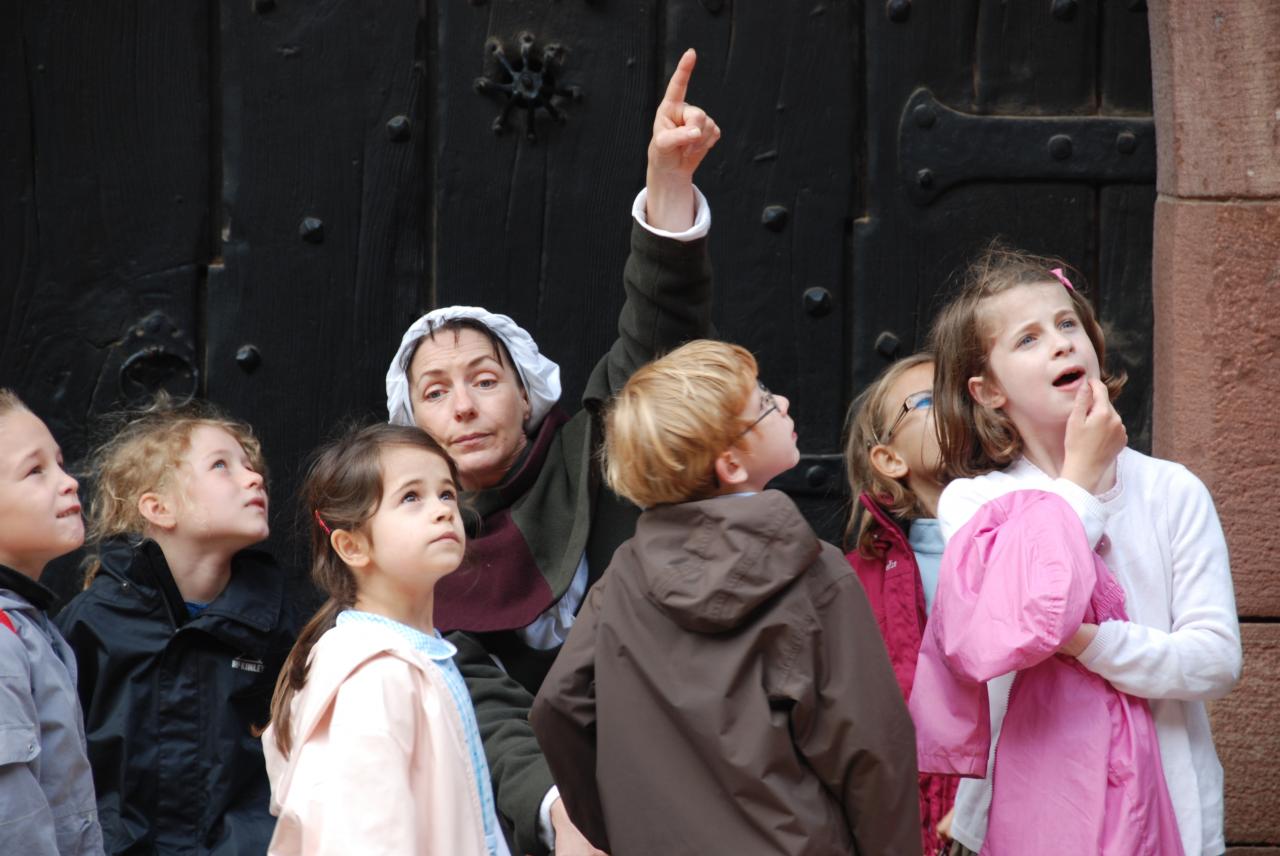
710 564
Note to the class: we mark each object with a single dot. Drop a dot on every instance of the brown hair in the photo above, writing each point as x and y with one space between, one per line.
142 455
342 490
673 418
868 418
9 401
456 326
975 439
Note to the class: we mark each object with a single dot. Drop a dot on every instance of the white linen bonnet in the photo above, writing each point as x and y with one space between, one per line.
541 377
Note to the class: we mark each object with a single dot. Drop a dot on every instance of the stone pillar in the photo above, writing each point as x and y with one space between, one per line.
1216 281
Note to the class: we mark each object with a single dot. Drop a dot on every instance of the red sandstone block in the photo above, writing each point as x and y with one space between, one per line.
1246 730
1216 80
1216 294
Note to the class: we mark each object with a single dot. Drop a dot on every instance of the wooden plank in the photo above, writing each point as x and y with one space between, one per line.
307 94
104 174
1122 297
781 80
538 230
1124 75
781 83
1123 294
905 255
1036 58
104 207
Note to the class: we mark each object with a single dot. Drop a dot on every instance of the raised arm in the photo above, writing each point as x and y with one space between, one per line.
682 136
668 275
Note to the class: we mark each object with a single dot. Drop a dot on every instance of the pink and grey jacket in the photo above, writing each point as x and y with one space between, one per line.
896 594
1077 767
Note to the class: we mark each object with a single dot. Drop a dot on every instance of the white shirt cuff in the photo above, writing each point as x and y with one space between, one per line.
1093 514
1104 639
545 829
701 217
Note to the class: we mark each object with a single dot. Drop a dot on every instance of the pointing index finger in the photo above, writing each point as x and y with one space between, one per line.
678 86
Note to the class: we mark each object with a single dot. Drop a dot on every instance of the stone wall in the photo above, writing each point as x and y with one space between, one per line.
1216 281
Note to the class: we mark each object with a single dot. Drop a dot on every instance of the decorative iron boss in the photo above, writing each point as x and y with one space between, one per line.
530 82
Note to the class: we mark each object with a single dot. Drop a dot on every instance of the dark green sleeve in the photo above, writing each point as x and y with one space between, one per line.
520 775
668 302
564 718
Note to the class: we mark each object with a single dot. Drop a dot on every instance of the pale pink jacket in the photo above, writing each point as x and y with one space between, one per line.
1077 768
379 761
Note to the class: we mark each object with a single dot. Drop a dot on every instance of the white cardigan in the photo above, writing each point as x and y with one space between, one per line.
1158 532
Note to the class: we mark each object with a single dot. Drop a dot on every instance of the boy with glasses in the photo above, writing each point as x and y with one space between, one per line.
724 689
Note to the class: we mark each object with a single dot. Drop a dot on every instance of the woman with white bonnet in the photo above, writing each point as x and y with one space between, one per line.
476 382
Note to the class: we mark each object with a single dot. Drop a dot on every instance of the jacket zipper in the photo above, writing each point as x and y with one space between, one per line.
995 756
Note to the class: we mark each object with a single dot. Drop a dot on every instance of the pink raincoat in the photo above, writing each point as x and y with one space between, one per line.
1077 767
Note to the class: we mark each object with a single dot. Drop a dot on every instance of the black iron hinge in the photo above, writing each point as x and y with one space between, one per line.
939 148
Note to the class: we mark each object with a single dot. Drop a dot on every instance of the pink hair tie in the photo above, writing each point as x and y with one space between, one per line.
323 525
1062 278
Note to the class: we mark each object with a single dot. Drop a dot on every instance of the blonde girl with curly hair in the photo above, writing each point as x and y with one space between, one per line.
179 633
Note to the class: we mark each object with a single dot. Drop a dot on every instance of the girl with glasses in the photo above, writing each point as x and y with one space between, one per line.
891 456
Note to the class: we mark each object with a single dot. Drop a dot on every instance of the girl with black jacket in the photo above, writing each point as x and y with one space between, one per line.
180 634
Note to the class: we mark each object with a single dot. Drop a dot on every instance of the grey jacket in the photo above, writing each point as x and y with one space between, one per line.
47 804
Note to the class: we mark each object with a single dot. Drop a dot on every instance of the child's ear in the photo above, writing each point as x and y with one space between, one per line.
157 510
352 548
730 470
887 462
986 392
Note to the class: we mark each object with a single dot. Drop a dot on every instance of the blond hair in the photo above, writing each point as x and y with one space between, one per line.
9 401
142 456
976 439
673 418
868 419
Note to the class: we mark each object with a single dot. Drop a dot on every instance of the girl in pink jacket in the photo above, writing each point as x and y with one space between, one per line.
373 746
1085 584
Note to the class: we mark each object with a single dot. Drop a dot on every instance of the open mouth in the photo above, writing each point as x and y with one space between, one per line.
1068 377
73 511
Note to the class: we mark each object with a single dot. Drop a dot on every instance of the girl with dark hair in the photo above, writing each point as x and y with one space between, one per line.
373 745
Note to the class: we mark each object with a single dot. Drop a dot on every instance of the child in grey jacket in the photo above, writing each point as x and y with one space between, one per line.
47 803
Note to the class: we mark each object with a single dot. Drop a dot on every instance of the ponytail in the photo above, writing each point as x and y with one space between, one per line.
294 673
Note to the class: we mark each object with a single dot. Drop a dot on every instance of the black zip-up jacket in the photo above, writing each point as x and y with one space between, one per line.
173 704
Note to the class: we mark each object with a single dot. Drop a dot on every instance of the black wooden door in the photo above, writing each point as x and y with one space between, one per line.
250 200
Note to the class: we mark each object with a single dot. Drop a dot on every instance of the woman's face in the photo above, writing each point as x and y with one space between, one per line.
469 399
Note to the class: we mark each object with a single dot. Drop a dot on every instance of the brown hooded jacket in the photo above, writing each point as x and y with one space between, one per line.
725 690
